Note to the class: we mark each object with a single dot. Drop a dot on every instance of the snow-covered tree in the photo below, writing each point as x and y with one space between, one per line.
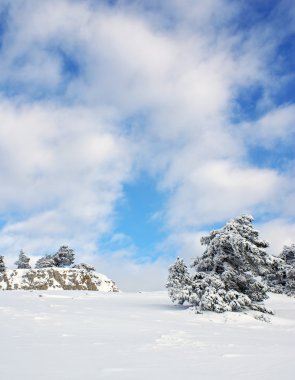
64 257
288 254
290 283
210 292
2 264
230 272
282 280
23 261
234 272
87 267
45 262
179 282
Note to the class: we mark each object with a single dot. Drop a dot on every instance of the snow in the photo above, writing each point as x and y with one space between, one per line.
92 335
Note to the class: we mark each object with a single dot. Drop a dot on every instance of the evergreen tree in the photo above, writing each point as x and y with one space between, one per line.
64 257
45 262
288 254
229 272
2 265
179 282
23 261
87 267
290 283
234 272
282 280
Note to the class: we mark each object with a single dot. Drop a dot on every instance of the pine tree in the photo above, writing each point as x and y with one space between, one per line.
229 272
179 282
282 280
2 264
64 257
288 254
290 283
23 261
45 262
234 273
83 266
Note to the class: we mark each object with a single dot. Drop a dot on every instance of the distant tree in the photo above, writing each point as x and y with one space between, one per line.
45 262
288 254
282 280
2 264
179 282
83 266
64 257
290 283
23 261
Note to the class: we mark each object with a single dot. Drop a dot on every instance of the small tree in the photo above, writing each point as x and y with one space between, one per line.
179 282
2 265
290 283
288 254
83 266
282 280
23 261
45 262
64 257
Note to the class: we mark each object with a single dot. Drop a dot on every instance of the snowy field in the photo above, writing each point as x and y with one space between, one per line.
74 335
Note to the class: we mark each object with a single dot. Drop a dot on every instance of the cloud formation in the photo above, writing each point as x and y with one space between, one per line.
189 93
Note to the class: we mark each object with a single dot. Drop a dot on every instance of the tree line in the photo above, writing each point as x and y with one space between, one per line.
64 257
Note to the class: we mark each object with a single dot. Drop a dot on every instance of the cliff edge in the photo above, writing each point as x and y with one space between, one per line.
54 279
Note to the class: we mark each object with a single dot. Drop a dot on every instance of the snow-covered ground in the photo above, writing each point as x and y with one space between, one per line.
74 335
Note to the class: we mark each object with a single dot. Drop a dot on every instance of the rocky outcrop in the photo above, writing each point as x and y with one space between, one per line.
54 279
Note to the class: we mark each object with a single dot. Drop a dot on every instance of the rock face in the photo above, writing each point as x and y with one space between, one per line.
54 279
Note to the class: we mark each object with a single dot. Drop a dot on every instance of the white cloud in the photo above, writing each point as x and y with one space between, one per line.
276 126
278 232
131 275
174 68
62 172
217 190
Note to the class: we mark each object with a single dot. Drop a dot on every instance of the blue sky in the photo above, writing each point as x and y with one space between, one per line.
128 129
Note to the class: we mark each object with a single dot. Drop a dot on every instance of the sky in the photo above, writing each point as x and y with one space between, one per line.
129 129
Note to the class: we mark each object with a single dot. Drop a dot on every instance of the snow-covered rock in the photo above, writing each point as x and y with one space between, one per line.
55 278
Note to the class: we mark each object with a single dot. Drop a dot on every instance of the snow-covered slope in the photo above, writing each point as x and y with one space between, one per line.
55 278
52 335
